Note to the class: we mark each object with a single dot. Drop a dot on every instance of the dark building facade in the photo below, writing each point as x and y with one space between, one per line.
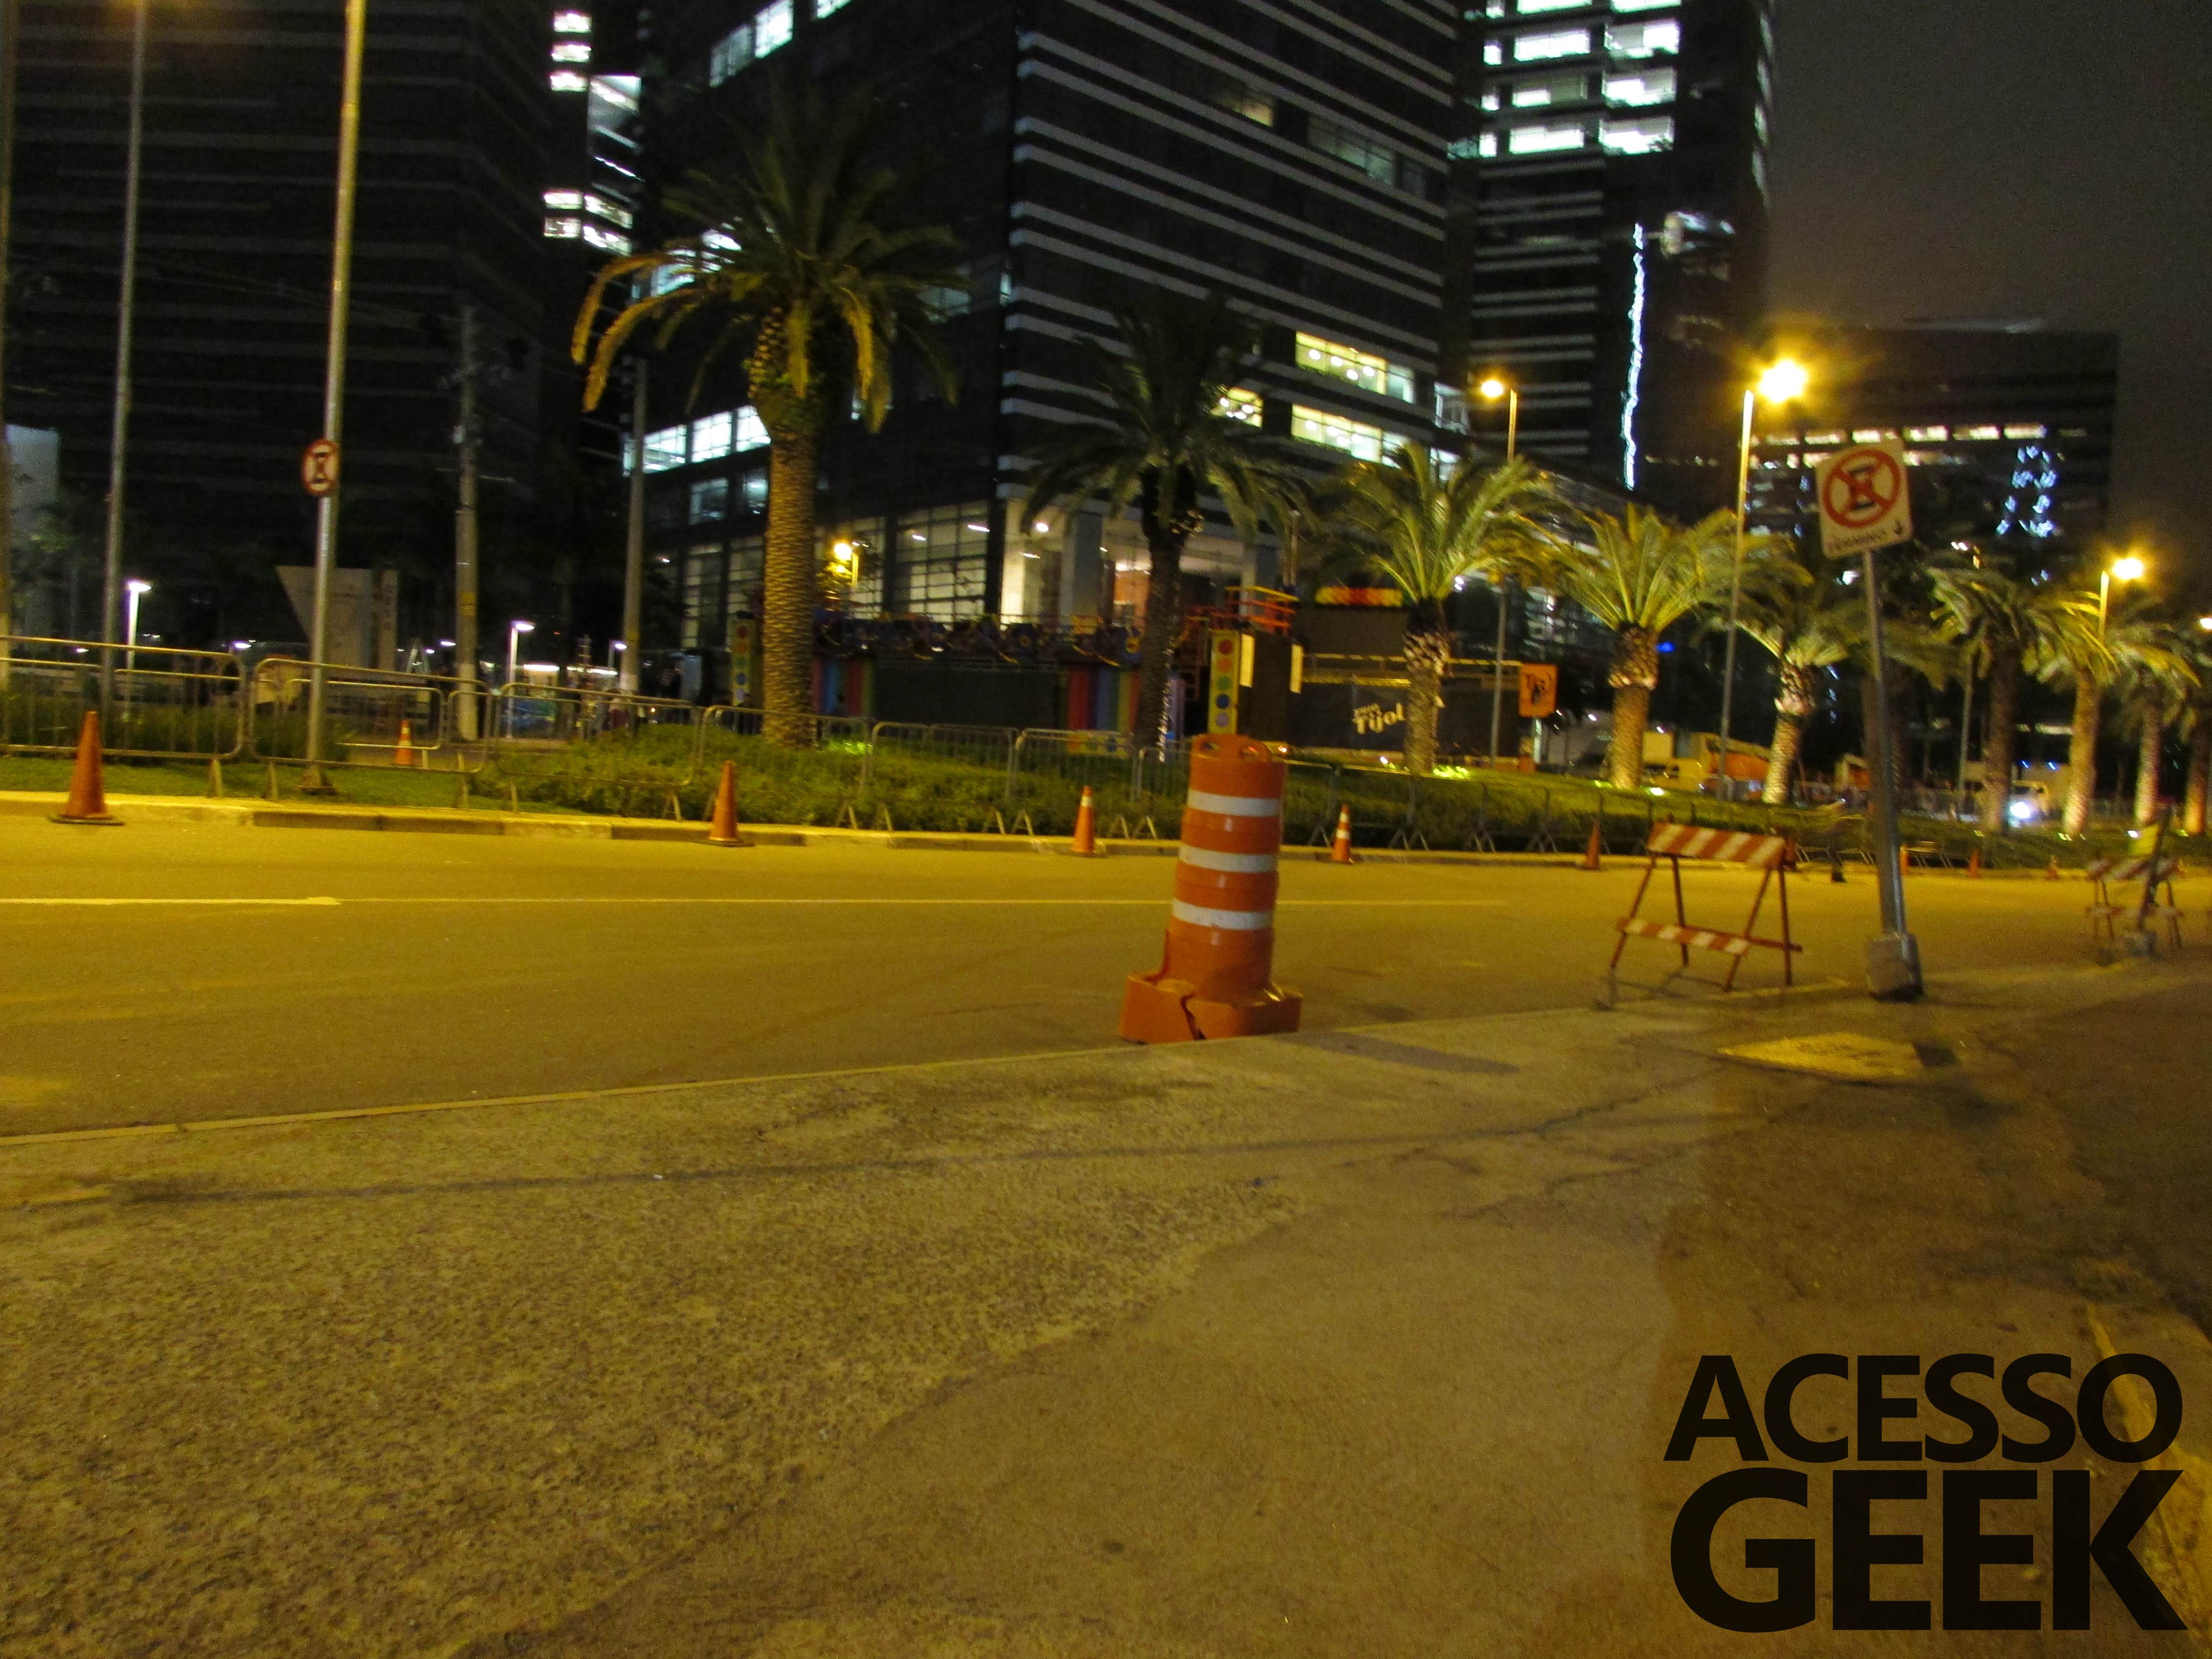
1610 227
241 113
2007 427
1081 149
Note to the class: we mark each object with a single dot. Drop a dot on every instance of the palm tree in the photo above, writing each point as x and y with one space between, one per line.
2197 725
2136 643
795 261
1425 531
1640 575
1165 443
2154 693
2006 626
1808 620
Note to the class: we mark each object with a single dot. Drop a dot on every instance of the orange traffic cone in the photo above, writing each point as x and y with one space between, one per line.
1974 859
722 829
2050 871
1086 828
405 754
1340 851
88 797
1590 853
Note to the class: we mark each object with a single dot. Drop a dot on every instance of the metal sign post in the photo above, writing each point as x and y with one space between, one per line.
1865 506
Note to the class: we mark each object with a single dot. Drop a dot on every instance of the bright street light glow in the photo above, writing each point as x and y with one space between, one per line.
2205 623
2129 569
136 586
1784 381
525 627
1493 388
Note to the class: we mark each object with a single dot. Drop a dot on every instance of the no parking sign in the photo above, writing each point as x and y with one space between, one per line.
1864 503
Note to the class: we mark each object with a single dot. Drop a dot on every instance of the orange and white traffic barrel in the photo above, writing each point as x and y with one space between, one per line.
1215 973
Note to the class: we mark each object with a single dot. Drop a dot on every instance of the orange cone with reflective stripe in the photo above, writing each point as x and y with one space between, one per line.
405 755
87 795
1214 978
1341 852
1974 859
1590 852
722 829
1086 827
2051 871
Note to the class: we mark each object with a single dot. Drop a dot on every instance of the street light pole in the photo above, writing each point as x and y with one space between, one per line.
1735 592
1893 959
10 33
465 532
119 429
1490 389
326 507
634 546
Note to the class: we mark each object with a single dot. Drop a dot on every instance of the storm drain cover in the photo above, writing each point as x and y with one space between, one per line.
1843 1054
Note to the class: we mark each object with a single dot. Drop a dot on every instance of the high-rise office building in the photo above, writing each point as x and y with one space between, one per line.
241 116
2007 427
1611 221
1293 159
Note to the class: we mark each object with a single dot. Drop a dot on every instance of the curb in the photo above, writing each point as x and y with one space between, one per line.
2183 1566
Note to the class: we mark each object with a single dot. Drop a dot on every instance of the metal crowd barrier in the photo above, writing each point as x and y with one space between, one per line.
156 703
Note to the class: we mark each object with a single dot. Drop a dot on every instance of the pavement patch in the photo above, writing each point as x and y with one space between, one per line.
1845 1055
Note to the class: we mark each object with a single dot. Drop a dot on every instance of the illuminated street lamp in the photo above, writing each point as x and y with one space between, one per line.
2128 569
515 631
1779 382
133 590
1490 389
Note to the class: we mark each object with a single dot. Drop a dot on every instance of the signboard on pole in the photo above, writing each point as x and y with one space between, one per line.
1864 503
319 467
1540 690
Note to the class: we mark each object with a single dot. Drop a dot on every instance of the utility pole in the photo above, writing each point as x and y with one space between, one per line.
10 32
634 558
326 507
111 597
465 531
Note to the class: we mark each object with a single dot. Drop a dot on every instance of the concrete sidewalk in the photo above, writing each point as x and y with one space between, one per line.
1366 1341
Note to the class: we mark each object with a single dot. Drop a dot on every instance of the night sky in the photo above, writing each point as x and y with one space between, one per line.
2050 158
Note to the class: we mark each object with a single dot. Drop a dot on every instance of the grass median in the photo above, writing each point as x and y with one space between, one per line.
662 772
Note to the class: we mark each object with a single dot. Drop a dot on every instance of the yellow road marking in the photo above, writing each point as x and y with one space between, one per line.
317 903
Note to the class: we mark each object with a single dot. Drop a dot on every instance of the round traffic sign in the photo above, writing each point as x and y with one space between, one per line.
1863 487
319 467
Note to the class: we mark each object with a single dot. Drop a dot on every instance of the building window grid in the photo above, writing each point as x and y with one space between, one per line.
938 561
1362 368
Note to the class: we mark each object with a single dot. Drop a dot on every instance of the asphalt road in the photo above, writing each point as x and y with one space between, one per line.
225 972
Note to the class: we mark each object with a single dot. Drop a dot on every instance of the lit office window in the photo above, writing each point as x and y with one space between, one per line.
1493 100
1558 43
710 500
2034 432
1550 89
569 80
572 52
613 212
829 8
564 201
1238 405
1644 135
1378 161
1979 433
572 22
752 489
665 448
938 562
1494 52
731 53
1929 434
1643 87
1528 8
1249 101
1645 5
566 229
772 28
607 241
1661 38
1353 437
710 437
1479 144
1542 140
750 433
1362 368
1870 435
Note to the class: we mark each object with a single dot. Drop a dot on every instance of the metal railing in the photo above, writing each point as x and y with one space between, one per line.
157 703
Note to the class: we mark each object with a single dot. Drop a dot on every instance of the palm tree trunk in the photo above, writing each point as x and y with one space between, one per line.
787 626
1635 675
1790 709
2082 754
1428 652
2200 776
2148 755
1163 627
1998 746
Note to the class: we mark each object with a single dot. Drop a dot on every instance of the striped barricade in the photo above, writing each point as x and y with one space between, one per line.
1773 856
2156 873
1215 973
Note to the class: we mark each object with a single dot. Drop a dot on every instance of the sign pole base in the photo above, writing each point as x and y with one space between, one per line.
1893 964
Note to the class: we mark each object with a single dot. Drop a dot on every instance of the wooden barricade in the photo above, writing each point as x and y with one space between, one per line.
1772 856
2156 873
